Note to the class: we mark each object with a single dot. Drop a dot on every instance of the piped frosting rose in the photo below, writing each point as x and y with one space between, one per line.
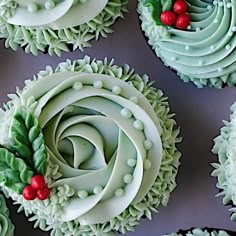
204 53
110 158
52 25
98 130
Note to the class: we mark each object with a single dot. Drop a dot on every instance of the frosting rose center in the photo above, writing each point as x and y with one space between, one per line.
104 136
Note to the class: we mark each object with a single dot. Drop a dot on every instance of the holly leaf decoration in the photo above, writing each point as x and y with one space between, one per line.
167 5
28 140
14 172
156 9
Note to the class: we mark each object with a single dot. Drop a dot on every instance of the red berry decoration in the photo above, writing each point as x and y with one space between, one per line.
37 182
43 193
180 7
29 193
182 21
168 17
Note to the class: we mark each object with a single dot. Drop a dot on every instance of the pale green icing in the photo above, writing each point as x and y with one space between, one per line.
51 25
201 232
128 169
6 226
224 147
205 52
55 14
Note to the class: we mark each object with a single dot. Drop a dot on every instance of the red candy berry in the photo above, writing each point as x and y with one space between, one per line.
37 182
168 17
182 21
29 193
180 7
43 193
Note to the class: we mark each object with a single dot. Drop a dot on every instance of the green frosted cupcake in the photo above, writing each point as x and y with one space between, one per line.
202 232
224 171
55 26
195 38
92 146
6 226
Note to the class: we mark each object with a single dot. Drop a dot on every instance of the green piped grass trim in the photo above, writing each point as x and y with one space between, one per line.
45 212
200 232
56 42
224 147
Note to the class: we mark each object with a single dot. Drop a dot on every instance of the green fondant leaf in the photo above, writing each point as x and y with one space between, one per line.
14 172
156 8
167 5
28 140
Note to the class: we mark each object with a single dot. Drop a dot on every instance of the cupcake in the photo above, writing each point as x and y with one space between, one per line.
194 38
202 232
92 146
6 226
224 148
53 26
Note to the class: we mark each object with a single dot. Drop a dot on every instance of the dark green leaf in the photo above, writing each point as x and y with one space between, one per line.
156 9
14 173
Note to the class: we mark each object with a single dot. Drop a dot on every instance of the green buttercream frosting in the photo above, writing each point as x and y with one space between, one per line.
224 147
51 25
6 226
110 141
200 232
205 52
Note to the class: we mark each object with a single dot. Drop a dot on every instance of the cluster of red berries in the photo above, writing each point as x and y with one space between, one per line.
36 189
178 16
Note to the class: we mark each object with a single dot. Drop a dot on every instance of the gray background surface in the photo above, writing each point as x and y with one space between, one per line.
199 112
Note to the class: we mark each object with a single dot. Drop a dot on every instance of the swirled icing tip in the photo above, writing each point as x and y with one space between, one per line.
106 138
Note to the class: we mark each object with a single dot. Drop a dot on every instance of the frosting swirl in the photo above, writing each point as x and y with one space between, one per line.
103 134
205 53
55 14
6 227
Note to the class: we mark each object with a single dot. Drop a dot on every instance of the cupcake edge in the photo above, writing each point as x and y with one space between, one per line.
151 31
164 184
34 39
224 169
202 232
